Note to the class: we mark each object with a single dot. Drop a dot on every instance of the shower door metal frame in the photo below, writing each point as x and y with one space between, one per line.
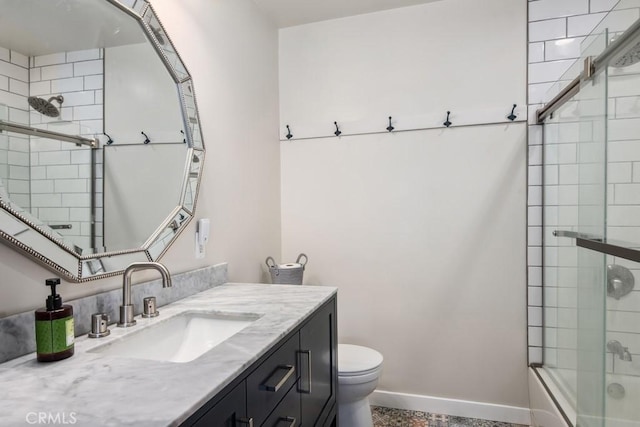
592 67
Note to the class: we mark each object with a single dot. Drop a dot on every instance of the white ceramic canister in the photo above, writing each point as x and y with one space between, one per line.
287 274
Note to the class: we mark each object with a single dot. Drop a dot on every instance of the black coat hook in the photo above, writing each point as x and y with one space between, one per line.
147 140
289 136
109 141
390 128
337 132
512 116
448 123
184 140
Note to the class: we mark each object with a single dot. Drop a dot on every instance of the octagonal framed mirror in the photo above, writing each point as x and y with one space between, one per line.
101 150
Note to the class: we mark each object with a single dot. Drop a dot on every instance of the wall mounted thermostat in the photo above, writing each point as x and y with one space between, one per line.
202 237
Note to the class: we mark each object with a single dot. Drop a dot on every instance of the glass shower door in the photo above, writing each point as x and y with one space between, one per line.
592 197
574 206
591 241
622 341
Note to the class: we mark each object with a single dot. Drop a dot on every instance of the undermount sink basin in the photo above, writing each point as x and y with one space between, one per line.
181 338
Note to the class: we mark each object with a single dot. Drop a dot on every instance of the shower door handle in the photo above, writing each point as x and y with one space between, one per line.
598 244
575 235
60 226
608 248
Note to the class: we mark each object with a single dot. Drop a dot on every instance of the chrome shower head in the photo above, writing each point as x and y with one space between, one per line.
46 107
630 57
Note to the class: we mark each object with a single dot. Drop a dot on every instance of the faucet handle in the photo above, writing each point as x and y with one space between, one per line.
99 325
149 307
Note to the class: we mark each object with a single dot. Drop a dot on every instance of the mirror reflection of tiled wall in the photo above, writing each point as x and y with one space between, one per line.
14 149
49 178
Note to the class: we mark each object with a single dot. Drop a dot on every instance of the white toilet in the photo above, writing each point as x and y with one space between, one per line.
358 372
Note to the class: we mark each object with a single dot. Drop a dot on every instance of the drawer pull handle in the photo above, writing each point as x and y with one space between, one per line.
246 421
268 384
308 389
290 420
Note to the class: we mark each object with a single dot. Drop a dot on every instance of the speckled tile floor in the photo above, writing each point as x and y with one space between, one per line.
390 417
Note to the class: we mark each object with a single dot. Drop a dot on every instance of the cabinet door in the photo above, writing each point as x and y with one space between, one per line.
229 412
318 365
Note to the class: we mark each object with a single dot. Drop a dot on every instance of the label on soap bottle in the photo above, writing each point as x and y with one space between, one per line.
61 337
70 332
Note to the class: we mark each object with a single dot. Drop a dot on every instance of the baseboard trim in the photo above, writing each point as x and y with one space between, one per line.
460 408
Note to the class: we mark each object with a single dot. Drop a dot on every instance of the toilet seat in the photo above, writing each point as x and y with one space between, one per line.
356 360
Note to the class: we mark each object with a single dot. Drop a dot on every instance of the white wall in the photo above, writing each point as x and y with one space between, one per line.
412 63
136 74
231 51
135 204
423 232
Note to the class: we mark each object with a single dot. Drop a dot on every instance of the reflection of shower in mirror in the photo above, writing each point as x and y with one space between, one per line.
46 107
156 32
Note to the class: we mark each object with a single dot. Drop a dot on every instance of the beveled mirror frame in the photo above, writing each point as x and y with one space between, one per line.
39 243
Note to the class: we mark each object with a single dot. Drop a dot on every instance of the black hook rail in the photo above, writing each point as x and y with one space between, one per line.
146 140
288 135
512 116
337 132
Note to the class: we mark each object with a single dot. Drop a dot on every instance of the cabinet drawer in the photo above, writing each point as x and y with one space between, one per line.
227 412
268 384
287 413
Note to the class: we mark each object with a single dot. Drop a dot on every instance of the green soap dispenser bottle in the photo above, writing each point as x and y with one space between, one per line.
54 328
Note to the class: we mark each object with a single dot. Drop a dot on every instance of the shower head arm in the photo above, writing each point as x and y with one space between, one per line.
59 99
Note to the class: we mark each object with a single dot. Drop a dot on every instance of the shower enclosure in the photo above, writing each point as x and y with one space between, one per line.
591 226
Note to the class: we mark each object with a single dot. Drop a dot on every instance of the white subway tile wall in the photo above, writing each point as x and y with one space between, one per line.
14 148
49 178
65 170
552 49
569 142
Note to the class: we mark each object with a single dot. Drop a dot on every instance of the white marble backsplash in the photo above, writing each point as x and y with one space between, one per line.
17 332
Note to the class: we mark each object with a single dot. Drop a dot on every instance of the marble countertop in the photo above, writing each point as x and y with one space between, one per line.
92 389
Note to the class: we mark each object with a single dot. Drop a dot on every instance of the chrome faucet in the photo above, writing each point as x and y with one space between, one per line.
616 348
126 309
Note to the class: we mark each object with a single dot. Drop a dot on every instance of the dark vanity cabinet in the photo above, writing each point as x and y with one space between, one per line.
294 384
318 366
228 412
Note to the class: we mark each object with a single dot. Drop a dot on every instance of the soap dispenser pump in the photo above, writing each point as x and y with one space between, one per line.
54 327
